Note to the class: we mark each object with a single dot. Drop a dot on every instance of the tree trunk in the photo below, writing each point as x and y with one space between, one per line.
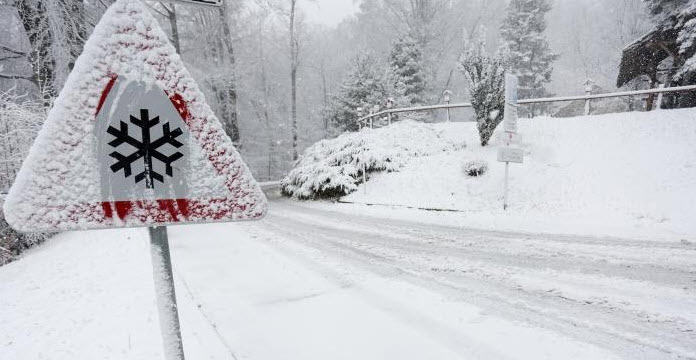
228 90
293 78
171 14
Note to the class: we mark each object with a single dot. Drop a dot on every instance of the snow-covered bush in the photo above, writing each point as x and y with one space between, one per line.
486 77
20 121
332 168
475 167
13 243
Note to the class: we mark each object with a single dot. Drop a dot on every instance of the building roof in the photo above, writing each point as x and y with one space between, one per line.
642 56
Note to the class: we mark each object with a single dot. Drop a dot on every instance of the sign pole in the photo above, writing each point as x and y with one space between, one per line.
505 194
507 171
508 154
164 291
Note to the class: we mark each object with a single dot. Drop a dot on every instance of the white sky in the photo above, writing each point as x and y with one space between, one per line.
329 12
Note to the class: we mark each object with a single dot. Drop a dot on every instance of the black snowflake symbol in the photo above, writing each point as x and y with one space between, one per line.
145 149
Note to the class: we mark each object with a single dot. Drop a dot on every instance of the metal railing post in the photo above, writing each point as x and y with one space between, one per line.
390 104
588 91
658 106
359 110
446 95
375 111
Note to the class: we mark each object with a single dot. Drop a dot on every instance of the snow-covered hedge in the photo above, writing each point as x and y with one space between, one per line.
20 121
13 243
332 168
473 168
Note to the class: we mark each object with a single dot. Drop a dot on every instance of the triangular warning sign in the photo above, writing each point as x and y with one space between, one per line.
130 141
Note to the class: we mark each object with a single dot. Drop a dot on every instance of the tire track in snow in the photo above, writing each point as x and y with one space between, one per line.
374 250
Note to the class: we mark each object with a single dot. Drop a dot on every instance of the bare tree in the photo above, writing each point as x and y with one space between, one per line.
294 63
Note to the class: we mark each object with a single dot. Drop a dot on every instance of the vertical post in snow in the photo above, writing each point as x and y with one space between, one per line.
659 98
360 115
446 95
364 178
507 169
375 111
164 291
390 104
505 194
510 127
589 83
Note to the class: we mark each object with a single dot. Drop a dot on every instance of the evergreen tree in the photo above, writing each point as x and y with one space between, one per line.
407 73
678 18
686 24
363 87
486 77
530 56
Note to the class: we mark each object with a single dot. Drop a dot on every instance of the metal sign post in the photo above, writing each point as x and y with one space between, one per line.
165 293
508 154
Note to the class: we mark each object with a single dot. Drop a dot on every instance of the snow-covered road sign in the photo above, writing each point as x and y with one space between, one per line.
510 155
130 141
510 114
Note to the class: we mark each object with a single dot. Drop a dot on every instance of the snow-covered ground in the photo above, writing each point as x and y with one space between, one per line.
628 174
322 280
308 283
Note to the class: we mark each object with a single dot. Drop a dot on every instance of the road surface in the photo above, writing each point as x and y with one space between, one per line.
331 284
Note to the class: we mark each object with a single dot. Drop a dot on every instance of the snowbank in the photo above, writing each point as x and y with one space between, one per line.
334 167
629 174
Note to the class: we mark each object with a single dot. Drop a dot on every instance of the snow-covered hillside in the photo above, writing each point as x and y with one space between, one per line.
628 174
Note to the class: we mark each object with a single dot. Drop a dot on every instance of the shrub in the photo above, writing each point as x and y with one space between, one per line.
12 243
475 168
333 168
20 121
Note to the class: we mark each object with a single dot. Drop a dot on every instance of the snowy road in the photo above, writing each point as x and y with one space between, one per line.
370 288
315 281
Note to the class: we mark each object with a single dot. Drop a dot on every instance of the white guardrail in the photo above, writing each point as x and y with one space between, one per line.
368 120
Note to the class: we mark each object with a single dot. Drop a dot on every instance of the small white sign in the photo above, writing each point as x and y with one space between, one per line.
199 2
509 154
510 117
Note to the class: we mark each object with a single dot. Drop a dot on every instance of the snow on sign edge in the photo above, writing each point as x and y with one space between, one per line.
58 187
